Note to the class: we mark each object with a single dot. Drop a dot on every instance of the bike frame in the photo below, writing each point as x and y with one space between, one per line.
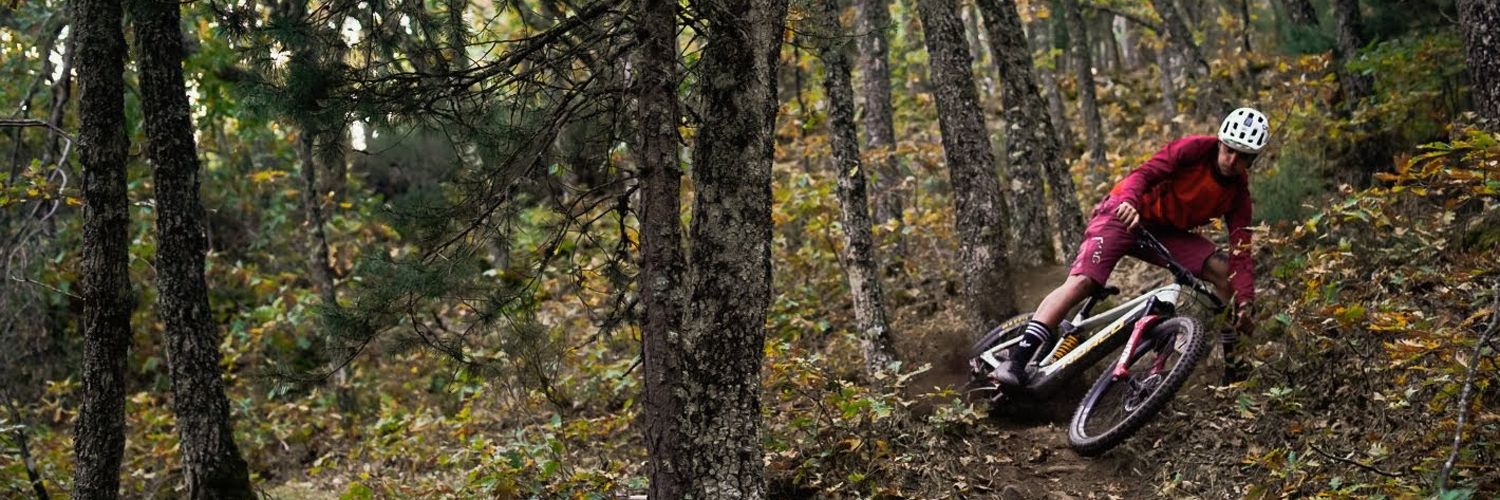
1103 332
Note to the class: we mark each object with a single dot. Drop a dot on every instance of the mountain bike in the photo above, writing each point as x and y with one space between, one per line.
1163 339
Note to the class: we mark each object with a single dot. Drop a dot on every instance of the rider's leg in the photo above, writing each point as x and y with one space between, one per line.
1039 330
1104 242
1061 300
1216 272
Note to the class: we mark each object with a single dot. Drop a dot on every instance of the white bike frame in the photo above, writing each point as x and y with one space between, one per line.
1098 332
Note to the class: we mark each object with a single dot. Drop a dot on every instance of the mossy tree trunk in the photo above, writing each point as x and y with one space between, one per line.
873 26
979 209
1480 21
720 348
859 250
1032 145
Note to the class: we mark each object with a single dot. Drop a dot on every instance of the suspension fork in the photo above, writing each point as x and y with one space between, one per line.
1122 367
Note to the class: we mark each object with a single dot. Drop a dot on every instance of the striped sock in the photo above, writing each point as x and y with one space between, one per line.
1036 333
1228 338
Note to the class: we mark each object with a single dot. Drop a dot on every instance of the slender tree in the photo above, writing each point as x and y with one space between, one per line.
872 27
721 344
211 461
1083 60
859 251
1300 12
979 209
661 265
1480 21
1043 34
1032 145
1179 36
99 432
1350 27
1372 150
1166 72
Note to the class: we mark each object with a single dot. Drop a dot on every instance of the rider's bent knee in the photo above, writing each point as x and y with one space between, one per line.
1216 268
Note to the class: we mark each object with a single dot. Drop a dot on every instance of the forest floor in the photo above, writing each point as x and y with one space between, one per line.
1022 452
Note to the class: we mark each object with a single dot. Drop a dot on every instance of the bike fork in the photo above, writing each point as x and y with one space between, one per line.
1122 367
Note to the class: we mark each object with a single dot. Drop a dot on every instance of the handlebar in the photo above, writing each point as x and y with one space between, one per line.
1180 274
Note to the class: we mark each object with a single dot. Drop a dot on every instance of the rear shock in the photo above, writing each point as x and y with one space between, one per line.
1065 346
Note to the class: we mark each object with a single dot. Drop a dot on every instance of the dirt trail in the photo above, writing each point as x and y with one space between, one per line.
1023 452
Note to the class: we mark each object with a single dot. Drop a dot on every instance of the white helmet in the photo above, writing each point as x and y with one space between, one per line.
1245 130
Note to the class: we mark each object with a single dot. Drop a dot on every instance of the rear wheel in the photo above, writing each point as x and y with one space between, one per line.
980 381
1116 408
1008 330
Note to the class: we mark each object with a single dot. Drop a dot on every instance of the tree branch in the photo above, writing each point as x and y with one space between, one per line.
1129 16
1468 391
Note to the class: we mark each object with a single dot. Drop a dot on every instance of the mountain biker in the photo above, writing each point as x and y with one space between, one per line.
1190 182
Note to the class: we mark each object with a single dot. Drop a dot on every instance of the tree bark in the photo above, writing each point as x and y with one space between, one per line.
1167 73
660 280
1083 58
1350 27
1300 12
1372 152
211 461
99 433
1179 36
859 250
979 209
1111 45
318 261
1480 21
1032 148
872 25
1042 36
729 271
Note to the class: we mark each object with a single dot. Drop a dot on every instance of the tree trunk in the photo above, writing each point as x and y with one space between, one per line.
1244 11
1032 148
318 262
660 280
1042 36
1106 21
1480 20
1179 36
971 33
99 433
1350 27
729 272
211 461
979 209
872 25
859 251
1372 151
1300 12
1088 104
1168 79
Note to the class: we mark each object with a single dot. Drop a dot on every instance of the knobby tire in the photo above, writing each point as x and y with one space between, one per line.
1091 445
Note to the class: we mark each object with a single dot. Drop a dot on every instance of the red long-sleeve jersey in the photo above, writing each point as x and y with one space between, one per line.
1180 187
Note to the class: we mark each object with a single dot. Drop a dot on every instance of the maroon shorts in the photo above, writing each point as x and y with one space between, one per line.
1107 240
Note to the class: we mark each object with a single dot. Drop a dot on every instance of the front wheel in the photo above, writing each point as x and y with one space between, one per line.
1117 407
